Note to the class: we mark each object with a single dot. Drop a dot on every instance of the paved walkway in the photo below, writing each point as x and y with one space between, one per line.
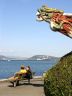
24 89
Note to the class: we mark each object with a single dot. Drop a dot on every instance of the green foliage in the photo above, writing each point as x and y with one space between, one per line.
58 80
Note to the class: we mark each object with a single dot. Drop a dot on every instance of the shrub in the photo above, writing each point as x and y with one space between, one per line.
58 80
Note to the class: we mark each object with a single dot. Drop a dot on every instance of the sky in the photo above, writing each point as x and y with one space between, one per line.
22 35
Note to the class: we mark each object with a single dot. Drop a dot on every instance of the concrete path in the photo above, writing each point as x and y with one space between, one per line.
24 89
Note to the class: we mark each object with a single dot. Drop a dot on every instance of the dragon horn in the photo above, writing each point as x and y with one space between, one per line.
47 9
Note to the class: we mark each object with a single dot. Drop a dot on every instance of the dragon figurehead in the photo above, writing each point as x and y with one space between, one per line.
45 13
58 20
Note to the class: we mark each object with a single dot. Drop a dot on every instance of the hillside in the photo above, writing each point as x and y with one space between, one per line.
3 57
35 57
58 80
43 57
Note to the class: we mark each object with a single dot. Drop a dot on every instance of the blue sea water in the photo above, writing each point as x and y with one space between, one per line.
8 68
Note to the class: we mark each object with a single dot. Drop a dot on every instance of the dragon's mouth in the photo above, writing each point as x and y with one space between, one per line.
39 18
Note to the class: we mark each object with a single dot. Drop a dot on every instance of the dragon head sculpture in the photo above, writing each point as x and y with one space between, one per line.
45 13
57 19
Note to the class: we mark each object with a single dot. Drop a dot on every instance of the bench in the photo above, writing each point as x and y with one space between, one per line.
19 77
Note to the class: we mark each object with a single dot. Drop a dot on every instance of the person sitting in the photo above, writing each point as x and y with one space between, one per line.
22 73
29 72
23 70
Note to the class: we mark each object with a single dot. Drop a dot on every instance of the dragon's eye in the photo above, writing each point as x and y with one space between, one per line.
38 10
46 14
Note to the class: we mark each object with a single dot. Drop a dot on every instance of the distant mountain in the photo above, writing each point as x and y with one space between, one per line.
3 57
43 57
11 58
35 57
38 57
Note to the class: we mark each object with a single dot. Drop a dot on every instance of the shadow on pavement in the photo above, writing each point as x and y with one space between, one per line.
31 84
